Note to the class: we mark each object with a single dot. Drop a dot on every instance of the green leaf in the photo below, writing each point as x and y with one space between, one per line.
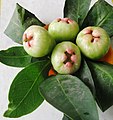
15 56
76 10
71 96
66 118
112 41
19 22
34 59
101 14
85 75
24 95
103 77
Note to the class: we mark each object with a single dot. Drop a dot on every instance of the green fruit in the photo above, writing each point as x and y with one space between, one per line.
66 58
37 42
93 42
63 29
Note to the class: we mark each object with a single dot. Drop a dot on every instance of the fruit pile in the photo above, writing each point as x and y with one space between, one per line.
93 42
68 63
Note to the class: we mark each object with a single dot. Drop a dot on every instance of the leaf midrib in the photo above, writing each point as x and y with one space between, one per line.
103 20
68 98
30 88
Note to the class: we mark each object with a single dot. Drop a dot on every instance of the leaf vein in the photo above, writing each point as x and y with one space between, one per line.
68 98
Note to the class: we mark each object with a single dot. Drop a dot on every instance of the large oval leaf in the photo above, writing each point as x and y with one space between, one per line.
101 14
15 56
71 96
103 77
76 10
20 20
24 96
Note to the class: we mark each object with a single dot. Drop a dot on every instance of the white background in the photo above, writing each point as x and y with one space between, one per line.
46 11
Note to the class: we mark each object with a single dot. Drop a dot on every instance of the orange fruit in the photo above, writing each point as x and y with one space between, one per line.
108 57
51 72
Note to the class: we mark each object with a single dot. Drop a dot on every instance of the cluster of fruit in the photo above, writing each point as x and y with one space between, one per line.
59 39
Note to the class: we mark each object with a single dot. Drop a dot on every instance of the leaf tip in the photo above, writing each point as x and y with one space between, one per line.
6 113
18 5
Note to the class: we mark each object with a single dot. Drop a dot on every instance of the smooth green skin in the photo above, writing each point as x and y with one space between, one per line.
93 50
57 58
43 43
62 31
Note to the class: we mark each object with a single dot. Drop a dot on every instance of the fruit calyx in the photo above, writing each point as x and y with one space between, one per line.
67 20
28 39
94 33
70 58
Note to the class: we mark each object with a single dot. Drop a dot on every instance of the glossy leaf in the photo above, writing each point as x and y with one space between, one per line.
101 14
85 75
103 77
71 96
20 21
24 96
15 56
76 10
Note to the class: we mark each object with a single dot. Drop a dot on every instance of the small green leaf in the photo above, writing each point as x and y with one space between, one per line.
103 77
24 96
85 75
76 10
19 22
71 96
15 56
101 14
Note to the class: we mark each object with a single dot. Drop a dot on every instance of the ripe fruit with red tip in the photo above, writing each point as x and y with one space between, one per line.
66 58
93 42
37 42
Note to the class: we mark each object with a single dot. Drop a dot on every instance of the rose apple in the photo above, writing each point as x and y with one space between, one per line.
66 58
93 42
63 29
37 42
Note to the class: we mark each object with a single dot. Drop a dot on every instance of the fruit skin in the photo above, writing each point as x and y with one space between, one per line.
93 42
66 58
37 42
63 29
